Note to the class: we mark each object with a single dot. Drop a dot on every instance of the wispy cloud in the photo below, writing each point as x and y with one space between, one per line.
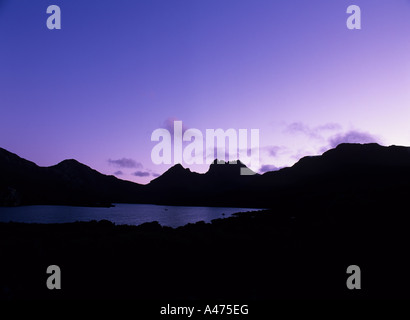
352 136
311 132
268 167
118 173
125 163
141 174
273 151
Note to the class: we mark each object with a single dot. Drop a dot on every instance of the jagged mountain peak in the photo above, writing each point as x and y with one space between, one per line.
226 168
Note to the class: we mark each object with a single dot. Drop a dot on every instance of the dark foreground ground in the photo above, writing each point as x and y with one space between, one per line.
301 249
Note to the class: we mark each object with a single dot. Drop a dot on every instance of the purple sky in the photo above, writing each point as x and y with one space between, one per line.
117 70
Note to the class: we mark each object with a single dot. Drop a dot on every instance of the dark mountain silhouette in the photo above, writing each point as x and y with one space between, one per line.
176 176
349 169
221 185
353 167
67 183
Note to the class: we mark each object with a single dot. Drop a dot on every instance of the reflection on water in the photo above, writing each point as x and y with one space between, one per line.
132 214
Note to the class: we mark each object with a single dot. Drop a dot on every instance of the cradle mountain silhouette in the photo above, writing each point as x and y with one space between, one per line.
360 170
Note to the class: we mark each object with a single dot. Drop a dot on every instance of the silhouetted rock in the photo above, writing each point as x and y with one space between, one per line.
227 171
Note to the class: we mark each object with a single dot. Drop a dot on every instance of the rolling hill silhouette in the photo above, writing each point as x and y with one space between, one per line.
347 170
67 183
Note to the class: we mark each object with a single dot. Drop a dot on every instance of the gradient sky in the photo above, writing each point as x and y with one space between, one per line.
117 70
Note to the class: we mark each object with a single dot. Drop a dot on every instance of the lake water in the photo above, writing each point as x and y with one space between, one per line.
132 214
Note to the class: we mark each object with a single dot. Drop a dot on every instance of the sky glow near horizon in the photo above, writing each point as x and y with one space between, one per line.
117 70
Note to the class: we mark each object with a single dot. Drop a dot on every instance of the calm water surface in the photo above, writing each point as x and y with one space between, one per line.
132 214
